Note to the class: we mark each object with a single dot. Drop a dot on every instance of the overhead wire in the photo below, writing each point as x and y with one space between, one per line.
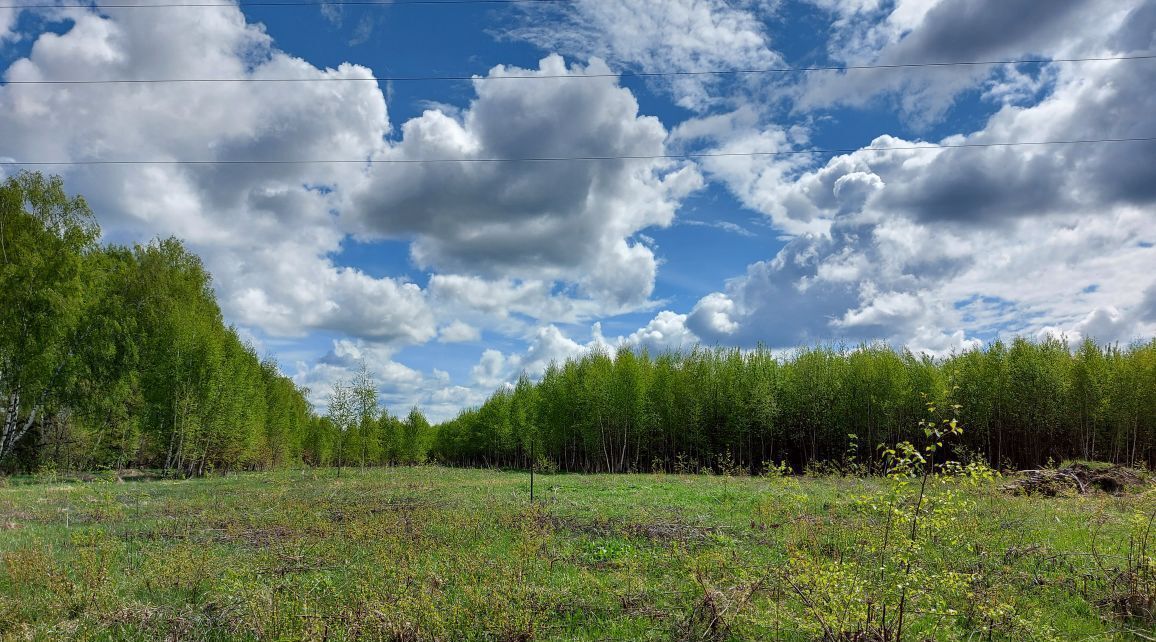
641 74
553 159
275 3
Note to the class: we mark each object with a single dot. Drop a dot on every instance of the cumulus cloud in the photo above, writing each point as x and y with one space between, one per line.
547 345
571 222
511 305
314 294
267 232
915 31
935 288
661 36
555 242
746 155
991 185
931 246
458 332
928 247
667 331
345 359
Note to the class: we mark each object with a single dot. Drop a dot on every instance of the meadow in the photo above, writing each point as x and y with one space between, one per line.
434 553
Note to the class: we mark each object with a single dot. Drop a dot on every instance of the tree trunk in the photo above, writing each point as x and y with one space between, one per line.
13 430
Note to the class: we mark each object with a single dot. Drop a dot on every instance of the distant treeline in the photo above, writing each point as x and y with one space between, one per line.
116 356
1020 403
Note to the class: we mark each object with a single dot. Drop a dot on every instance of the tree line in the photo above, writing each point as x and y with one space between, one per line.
1021 403
115 356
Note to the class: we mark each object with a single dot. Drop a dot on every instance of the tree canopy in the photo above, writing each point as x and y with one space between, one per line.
1021 403
115 356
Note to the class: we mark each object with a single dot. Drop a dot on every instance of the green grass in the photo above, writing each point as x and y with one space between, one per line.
430 553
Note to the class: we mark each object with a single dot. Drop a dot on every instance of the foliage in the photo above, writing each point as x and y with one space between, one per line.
374 436
46 238
114 357
823 409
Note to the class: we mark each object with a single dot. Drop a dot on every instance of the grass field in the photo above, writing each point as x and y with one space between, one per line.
430 553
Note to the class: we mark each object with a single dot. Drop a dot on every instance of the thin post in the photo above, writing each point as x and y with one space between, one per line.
531 469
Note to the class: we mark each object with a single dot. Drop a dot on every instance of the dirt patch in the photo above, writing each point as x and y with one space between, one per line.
1077 479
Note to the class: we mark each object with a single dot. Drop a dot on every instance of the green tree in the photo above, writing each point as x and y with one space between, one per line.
45 236
342 415
414 434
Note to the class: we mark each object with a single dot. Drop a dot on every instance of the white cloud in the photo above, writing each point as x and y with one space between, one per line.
930 246
745 155
921 31
726 226
713 316
400 387
667 331
506 303
526 243
458 332
8 16
926 247
545 346
555 242
491 369
266 232
661 36
333 13
536 222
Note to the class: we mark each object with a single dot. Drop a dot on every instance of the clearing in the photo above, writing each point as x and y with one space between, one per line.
429 553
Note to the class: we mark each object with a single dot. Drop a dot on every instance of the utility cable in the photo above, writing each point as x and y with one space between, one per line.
642 74
276 3
554 159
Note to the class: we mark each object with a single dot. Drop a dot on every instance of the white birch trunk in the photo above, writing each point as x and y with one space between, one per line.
13 430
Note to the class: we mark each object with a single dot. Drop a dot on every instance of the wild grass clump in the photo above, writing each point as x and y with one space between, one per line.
1129 585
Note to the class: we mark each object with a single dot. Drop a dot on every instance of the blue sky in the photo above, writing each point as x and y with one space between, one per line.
449 280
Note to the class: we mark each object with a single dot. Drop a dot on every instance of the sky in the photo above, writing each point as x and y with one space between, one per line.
726 224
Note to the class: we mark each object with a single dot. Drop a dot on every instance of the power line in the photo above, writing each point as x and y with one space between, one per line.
651 74
552 159
278 3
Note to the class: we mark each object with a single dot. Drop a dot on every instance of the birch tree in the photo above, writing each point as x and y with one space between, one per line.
44 237
342 415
